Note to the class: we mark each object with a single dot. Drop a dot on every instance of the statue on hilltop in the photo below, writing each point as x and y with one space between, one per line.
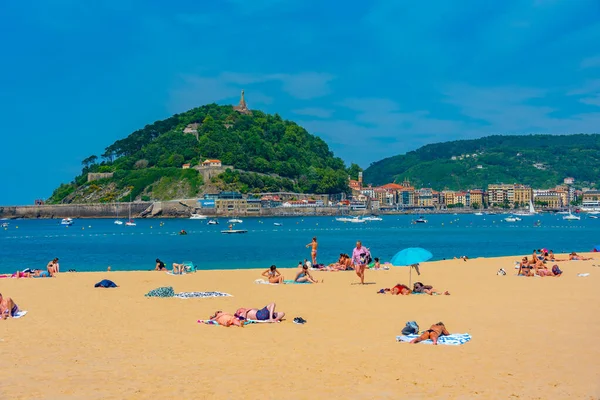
242 108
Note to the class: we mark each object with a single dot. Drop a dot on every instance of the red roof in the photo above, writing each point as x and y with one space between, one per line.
394 186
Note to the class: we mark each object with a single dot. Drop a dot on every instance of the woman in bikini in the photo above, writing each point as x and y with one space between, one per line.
418 287
313 251
433 333
525 268
399 289
305 276
273 275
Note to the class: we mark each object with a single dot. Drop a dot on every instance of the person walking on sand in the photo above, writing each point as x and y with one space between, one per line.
360 258
433 333
313 252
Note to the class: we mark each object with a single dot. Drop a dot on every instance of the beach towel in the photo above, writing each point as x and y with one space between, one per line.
583 275
247 321
105 283
264 282
293 282
20 314
171 273
166 291
456 339
191 295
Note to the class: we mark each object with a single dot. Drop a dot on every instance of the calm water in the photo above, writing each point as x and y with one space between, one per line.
92 245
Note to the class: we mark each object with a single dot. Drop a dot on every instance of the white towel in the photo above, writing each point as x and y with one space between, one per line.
456 339
20 314
202 295
264 282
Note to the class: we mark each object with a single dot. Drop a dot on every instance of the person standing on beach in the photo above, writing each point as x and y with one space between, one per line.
313 251
360 259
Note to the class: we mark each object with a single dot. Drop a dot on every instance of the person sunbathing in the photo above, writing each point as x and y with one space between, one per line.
433 333
53 267
525 268
226 319
418 287
8 308
576 257
267 313
399 289
304 276
273 275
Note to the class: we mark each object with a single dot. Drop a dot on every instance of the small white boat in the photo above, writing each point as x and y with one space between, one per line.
235 221
343 219
212 222
357 220
118 222
478 213
66 221
512 219
593 216
5 224
130 223
372 218
198 216
277 224
229 231
571 217
421 220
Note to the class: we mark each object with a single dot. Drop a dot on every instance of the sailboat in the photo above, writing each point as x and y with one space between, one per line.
571 217
130 222
529 213
117 221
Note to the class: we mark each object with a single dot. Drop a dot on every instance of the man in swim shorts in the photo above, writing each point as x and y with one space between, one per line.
8 308
267 313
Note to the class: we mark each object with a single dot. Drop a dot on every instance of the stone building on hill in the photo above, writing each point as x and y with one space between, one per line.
242 108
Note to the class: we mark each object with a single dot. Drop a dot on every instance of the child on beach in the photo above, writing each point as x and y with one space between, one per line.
433 333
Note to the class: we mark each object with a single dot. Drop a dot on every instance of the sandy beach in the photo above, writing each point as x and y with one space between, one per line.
533 338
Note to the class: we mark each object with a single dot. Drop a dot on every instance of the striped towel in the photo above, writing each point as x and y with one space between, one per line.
190 295
456 339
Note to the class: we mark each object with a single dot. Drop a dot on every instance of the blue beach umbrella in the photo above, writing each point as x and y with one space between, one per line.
411 257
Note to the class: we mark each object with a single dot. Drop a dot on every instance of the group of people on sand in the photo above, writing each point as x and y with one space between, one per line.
243 315
418 288
302 276
52 268
178 269
537 264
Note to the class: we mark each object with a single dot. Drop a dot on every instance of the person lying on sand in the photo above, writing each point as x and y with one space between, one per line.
576 257
273 275
8 308
418 287
267 313
305 276
433 333
226 319
399 289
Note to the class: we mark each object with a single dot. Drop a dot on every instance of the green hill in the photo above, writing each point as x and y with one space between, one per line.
541 161
266 152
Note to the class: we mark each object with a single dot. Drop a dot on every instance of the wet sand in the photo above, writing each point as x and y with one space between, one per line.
533 338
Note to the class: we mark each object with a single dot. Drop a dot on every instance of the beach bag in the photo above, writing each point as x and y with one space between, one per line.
166 291
365 258
411 328
556 270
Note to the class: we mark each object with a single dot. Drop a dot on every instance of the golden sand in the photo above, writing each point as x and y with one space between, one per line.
533 338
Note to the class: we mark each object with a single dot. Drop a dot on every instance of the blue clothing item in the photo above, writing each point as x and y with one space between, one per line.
105 283
262 314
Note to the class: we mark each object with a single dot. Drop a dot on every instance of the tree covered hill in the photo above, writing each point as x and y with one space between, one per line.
267 153
541 161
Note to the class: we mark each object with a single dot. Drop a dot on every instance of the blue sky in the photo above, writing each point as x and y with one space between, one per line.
373 79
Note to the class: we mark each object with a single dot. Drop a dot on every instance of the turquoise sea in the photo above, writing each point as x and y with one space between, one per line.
94 244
